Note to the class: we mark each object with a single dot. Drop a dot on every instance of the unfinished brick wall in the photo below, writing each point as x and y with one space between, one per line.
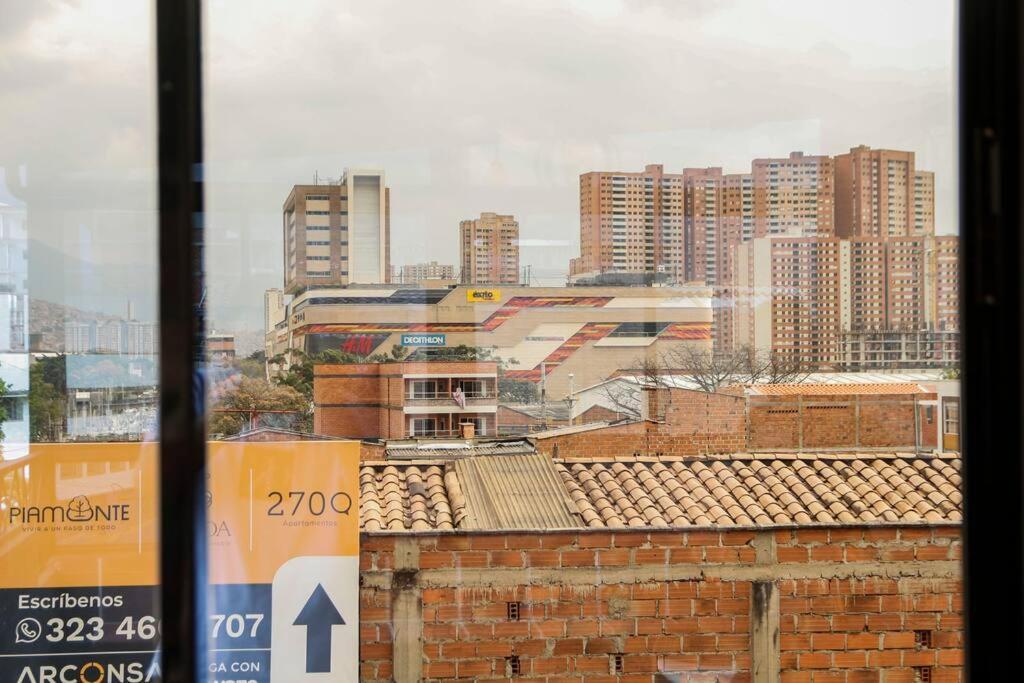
883 422
598 413
681 422
841 421
864 626
852 604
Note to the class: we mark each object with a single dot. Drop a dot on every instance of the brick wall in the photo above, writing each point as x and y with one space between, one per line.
598 413
681 422
842 421
684 422
847 604
370 451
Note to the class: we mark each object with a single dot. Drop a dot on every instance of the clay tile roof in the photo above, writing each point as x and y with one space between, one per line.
781 490
834 389
407 498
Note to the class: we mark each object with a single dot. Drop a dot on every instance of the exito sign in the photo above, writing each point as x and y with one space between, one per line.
424 340
81 602
483 295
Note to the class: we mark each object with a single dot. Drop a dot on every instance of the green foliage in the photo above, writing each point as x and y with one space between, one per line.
461 352
517 391
299 375
251 367
46 398
257 395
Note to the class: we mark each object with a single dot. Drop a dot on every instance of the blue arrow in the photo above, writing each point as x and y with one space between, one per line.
319 616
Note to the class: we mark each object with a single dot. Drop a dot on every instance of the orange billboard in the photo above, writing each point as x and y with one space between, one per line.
79 593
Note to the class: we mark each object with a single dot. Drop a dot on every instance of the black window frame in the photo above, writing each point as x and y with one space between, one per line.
991 68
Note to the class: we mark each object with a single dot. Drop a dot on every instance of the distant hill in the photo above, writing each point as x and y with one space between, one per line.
47 319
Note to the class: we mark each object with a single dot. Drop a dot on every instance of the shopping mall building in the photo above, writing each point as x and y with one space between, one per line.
573 335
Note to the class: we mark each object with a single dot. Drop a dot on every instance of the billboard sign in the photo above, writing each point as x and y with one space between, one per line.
81 601
483 295
424 340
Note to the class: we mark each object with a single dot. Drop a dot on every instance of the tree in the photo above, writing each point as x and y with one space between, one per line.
462 352
46 398
253 366
299 375
253 396
702 370
517 391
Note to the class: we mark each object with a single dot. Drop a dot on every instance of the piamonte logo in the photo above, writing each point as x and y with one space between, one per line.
78 510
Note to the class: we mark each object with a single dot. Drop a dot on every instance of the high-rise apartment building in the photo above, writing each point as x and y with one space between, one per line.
702 215
273 308
794 196
684 225
141 338
799 296
120 337
79 337
338 233
414 273
489 250
944 267
880 193
736 226
631 223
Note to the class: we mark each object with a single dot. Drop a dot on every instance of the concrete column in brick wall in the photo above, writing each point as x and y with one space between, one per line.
856 418
764 632
407 612
800 421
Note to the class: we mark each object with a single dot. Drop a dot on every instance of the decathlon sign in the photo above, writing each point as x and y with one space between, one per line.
424 340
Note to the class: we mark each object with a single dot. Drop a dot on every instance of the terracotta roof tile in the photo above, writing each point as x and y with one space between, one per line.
782 490
406 498
834 389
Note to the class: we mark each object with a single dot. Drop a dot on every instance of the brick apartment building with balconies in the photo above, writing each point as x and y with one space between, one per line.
408 399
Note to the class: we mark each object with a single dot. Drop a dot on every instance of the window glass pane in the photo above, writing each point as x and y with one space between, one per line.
79 597
639 317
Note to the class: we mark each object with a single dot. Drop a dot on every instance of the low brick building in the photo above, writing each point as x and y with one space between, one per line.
841 416
407 399
759 418
768 567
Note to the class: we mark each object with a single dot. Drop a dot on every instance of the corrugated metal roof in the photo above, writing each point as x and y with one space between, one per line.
452 450
514 492
552 411
575 429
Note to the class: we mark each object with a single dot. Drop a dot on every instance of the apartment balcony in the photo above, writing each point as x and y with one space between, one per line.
444 403
442 425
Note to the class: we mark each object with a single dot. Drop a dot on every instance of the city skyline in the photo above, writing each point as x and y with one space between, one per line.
840 79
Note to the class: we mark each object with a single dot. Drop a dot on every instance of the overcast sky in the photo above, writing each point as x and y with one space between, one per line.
467 106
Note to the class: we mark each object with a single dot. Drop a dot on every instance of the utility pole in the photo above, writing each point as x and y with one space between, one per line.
572 396
543 395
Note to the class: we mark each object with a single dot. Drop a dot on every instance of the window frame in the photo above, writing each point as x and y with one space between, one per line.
990 72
